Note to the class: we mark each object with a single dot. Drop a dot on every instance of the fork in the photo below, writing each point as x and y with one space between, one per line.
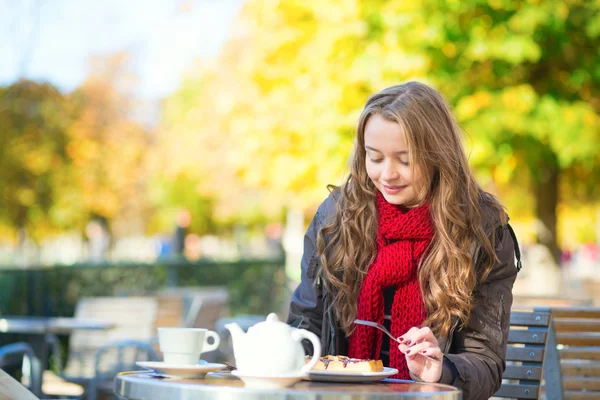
384 329
229 366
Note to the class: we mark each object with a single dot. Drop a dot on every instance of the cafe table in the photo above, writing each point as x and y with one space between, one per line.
145 385
34 331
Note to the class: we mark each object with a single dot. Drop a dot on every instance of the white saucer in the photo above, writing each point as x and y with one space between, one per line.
268 382
181 371
341 376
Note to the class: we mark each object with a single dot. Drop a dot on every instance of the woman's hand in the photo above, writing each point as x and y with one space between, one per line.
417 343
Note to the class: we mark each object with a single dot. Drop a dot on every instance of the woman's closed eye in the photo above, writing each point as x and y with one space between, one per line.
379 160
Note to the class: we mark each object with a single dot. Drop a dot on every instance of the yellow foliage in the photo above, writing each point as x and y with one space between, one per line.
275 114
577 224
469 106
449 50
520 98
26 196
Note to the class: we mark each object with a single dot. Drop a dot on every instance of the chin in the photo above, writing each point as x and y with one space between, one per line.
395 200
399 200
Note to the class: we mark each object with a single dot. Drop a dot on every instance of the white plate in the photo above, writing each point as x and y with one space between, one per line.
181 371
268 382
339 376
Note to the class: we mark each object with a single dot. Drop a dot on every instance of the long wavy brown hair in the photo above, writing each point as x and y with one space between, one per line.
459 209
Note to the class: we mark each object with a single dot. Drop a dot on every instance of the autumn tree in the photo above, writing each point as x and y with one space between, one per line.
34 118
67 158
523 77
107 148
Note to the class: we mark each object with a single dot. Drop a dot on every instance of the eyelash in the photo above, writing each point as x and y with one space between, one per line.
405 163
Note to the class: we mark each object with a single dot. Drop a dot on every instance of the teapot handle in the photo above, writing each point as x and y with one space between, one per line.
316 342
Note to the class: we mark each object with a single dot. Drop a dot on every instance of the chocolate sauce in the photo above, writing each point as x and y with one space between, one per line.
344 360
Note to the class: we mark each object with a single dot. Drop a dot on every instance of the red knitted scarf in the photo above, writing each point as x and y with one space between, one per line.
403 237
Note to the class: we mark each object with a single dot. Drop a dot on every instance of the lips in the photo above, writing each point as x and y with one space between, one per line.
393 189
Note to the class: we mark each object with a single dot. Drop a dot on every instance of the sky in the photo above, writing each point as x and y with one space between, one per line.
52 40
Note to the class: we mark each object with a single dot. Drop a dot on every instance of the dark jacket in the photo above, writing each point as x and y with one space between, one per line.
474 356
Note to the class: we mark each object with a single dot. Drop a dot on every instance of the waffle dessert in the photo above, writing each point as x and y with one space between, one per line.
347 364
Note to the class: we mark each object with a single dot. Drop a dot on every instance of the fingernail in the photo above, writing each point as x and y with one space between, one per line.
409 342
401 339
408 351
424 352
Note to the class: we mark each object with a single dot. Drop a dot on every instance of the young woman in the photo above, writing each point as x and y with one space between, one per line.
411 241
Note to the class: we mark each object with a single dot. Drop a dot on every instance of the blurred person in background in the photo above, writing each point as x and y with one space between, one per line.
193 247
274 237
411 241
183 220
98 241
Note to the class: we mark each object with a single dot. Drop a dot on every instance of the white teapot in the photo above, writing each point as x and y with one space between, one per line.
272 348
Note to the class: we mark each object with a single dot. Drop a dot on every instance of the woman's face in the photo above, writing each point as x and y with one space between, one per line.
387 162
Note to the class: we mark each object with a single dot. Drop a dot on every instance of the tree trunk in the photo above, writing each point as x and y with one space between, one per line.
546 194
21 229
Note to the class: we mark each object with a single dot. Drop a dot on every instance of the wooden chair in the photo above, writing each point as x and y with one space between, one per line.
192 307
170 311
94 357
133 319
531 358
206 308
578 339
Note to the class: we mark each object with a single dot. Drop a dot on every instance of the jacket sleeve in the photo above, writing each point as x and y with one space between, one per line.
306 305
477 356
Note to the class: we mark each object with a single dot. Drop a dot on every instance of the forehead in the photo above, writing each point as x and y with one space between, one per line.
384 135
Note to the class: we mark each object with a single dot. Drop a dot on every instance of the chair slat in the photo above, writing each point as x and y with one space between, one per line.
524 354
580 368
527 336
538 302
529 318
518 391
522 372
582 383
576 312
579 338
577 324
577 395
581 353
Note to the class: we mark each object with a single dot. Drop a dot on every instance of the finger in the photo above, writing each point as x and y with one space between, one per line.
403 348
422 335
408 336
432 352
417 348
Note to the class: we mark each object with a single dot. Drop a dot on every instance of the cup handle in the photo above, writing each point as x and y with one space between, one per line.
316 342
210 347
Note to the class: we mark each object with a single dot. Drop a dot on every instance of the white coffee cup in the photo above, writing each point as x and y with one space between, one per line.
183 346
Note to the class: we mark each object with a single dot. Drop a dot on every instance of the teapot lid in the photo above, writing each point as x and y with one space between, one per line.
270 325
272 317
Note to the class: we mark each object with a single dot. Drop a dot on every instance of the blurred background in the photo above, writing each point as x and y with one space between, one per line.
161 160
204 132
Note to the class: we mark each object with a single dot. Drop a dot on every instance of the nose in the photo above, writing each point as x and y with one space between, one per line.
389 172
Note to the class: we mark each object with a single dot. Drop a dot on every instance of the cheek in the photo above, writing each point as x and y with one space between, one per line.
372 171
406 174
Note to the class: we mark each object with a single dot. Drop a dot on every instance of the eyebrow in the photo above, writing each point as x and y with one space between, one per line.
398 152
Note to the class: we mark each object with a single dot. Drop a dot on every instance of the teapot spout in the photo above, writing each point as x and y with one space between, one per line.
237 338
235 331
